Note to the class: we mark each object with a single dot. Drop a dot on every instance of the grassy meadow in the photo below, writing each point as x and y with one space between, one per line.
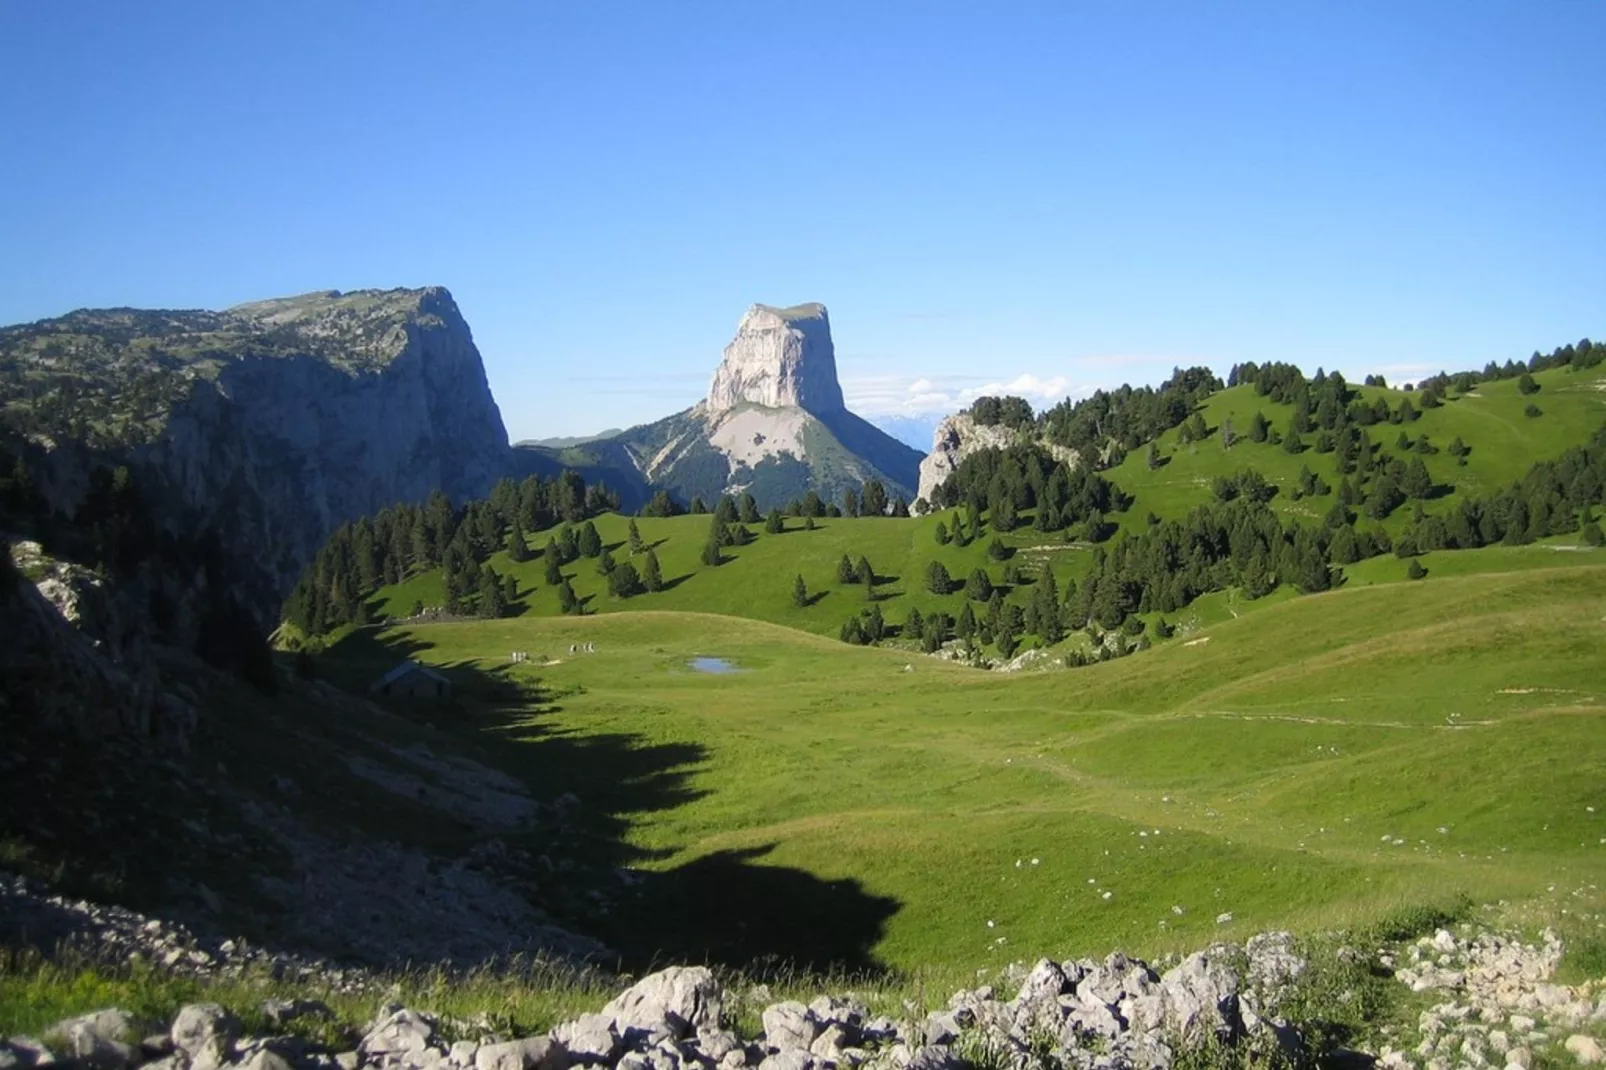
1320 762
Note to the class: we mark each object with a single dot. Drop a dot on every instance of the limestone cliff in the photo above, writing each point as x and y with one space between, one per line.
780 358
959 436
270 423
773 424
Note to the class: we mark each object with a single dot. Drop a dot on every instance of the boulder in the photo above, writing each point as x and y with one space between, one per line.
531 1053
789 1026
590 1038
672 1002
1200 994
106 1040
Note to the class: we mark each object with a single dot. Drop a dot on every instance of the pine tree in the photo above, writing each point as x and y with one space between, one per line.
937 579
605 563
800 593
590 542
1153 459
551 558
713 548
1258 427
863 572
808 522
868 580
651 577
636 545
1415 570
873 501
1417 483
697 506
567 601
874 625
914 625
1526 385
851 632
845 573
775 523
997 550
518 548
747 509
966 628
850 502
623 581
940 533
979 587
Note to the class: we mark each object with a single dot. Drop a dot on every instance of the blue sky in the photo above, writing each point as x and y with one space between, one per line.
1057 195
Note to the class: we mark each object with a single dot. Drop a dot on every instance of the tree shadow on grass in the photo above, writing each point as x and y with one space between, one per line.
728 907
670 585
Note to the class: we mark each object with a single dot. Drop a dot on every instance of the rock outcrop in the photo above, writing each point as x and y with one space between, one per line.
773 424
271 423
780 358
959 436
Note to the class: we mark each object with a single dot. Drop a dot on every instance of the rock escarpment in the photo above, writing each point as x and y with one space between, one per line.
959 436
268 424
780 358
774 424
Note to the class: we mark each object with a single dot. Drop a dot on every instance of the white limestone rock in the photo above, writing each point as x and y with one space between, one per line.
780 358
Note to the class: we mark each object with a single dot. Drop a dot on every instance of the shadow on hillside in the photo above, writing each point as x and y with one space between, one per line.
727 907
670 585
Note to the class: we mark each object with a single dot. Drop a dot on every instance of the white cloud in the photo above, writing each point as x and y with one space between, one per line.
895 395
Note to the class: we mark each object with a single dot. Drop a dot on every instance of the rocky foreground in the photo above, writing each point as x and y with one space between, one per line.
1489 1001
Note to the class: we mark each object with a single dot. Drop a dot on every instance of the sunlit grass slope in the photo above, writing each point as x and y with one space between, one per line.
1316 762
756 581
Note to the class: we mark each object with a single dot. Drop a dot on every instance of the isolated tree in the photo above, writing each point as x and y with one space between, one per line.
1590 534
979 587
934 634
567 600
873 624
851 632
997 550
775 523
651 578
863 572
914 625
845 572
1258 427
868 580
590 542
808 522
1152 459
1526 385
518 548
552 559
1533 411
940 533
800 593
937 579
605 563
623 581
1292 443
713 548
636 545
1415 570
747 509
568 545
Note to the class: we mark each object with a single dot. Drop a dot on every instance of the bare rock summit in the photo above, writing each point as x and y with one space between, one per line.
780 358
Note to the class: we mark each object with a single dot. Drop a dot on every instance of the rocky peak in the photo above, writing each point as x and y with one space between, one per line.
780 357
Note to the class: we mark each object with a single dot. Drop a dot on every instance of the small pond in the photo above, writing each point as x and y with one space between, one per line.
715 665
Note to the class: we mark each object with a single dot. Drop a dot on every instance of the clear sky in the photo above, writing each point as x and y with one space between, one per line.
1062 194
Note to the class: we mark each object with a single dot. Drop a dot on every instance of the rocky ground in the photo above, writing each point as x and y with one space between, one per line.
1494 1004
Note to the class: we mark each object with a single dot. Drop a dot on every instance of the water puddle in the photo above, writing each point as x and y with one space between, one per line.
714 665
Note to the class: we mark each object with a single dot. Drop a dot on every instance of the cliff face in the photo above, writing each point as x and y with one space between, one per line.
959 435
277 421
773 425
780 358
